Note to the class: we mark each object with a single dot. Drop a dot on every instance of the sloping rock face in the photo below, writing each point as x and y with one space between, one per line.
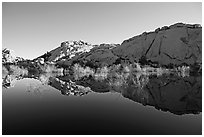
177 44
98 56
67 50
8 56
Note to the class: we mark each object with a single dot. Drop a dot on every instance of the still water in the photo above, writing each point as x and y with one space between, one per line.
133 104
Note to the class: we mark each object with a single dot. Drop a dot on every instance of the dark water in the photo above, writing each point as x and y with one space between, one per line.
58 104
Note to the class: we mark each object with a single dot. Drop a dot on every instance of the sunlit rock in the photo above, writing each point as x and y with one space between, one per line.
66 50
40 60
8 56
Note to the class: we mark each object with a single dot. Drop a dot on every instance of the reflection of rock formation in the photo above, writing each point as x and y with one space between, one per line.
174 94
106 78
36 89
12 73
178 95
65 85
10 80
68 87
96 86
45 77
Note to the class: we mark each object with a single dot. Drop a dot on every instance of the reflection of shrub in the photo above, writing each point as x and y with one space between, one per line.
31 67
101 73
118 75
16 70
4 71
50 68
80 72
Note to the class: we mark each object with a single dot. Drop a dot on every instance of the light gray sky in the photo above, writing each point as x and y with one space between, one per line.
31 29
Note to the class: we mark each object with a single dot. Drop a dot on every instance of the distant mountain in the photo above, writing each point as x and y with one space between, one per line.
8 56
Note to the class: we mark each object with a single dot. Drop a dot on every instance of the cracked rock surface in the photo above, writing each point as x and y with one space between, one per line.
177 44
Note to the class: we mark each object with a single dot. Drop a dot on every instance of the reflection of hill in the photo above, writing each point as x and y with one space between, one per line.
9 80
178 95
96 86
65 85
68 87
174 94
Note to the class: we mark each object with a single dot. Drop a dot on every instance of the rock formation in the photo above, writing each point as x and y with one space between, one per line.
97 57
8 56
66 51
177 44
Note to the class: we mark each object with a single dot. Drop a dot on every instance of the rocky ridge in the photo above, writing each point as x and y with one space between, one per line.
66 50
176 45
8 56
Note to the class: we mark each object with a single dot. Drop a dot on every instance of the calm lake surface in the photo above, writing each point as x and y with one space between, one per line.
60 104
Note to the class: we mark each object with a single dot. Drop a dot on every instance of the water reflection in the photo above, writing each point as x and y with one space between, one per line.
161 88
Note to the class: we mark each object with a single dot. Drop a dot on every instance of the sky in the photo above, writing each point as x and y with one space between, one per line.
31 29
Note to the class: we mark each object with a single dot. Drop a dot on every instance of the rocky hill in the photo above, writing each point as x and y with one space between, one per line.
66 50
76 51
177 44
100 55
8 56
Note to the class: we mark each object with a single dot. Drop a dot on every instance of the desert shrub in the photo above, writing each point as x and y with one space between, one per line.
80 72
